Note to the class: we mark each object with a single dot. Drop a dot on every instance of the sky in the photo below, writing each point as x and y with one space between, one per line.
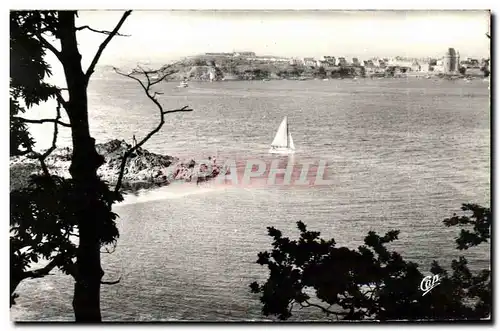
158 36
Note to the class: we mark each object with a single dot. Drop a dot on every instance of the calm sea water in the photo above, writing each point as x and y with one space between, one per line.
403 154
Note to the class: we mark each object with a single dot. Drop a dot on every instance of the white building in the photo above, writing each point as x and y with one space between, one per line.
341 61
328 60
309 61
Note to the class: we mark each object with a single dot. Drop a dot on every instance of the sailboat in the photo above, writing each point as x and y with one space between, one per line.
283 142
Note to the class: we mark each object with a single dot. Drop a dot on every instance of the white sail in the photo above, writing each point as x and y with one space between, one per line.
283 142
281 137
290 141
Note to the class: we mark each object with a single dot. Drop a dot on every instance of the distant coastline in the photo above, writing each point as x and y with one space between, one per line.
434 76
226 68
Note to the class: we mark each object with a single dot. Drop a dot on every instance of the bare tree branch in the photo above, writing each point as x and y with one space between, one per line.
90 70
152 97
111 282
37 273
60 98
165 74
100 31
54 140
157 80
44 155
290 302
45 120
185 108
325 310
16 278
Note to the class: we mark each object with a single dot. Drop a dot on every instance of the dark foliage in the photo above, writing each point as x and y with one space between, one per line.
485 71
294 72
343 72
320 73
480 220
363 72
28 69
62 221
390 71
43 226
372 282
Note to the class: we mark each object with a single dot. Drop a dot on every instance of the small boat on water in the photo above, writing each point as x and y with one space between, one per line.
282 142
183 84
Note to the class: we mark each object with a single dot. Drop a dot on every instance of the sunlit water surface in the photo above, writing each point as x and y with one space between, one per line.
402 154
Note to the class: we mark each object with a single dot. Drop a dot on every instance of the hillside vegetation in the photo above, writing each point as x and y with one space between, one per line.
233 68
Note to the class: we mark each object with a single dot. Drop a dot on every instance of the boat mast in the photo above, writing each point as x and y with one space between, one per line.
287 140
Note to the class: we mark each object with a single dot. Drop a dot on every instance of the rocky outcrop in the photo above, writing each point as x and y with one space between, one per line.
142 170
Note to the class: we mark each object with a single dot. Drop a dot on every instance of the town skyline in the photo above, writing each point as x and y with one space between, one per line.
316 60
158 36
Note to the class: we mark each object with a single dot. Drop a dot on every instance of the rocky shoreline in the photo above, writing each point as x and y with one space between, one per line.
143 169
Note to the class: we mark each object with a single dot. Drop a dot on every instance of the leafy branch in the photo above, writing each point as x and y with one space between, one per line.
373 282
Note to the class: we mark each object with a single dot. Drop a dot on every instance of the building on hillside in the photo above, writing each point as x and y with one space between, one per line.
309 61
470 63
424 65
399 62
341 62
212 74
368 64
439 66
251 54
404 64
415 66
219 54
451 61
281 59
264 59
328 60
272 59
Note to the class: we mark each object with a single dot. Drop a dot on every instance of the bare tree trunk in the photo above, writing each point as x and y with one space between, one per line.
83 169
